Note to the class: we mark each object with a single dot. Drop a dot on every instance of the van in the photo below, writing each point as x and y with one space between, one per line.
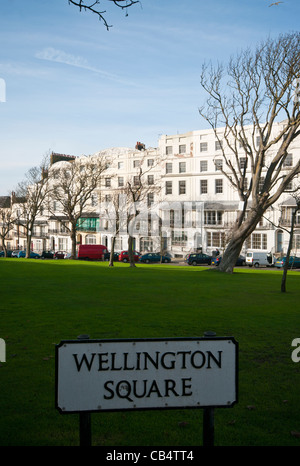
92 252
256 259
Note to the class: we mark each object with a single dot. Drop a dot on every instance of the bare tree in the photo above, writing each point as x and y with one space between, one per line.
295 210
140 195
73 183
33 190
7 221
93 7
110 219
131 199
247 98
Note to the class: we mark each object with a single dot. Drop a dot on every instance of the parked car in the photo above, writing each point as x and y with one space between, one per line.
59 255
107 256
154 257
8 253
240 261
15 253
47 255
33 255
195 259
124 257
293 262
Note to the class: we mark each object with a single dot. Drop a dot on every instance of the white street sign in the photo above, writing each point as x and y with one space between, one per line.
112 375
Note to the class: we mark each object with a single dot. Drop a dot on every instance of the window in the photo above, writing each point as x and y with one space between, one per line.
257 241
120 181
150 199
94 200
179 238
212 217
182 149
203 146
288 162
90 239
169 168
136 180
88 224
218 186
261 183
107 197
62 244
168 187
150 162
243 162
289 186
118 243
218 164
182 187
63 228
120 165
150 179
203 187
169 150
136 163
203 166
216 239
296 241
218 145
182 167
107 182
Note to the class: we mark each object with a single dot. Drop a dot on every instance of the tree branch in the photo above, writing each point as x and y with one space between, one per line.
123 4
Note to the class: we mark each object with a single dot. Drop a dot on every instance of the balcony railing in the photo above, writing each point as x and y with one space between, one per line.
54 231
88 229
288 222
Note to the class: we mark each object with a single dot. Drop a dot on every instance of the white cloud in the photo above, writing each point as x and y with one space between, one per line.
59 56
51 54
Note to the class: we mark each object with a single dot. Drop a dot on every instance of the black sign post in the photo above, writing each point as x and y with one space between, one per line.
85 429
208 415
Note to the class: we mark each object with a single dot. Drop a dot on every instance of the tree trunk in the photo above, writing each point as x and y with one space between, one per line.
4 247
111 258
73 241
130 251
28 245
231 254
239 235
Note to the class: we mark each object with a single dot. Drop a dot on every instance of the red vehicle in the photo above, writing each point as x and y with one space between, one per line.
92 252
59 255
124 256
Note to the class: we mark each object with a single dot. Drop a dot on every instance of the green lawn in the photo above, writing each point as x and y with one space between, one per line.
44 302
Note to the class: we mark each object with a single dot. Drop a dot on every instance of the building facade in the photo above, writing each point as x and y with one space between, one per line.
188 202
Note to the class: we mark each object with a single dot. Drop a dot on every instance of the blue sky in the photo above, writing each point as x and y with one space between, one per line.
75 88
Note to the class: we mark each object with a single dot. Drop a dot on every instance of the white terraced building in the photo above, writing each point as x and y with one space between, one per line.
196 202
193 173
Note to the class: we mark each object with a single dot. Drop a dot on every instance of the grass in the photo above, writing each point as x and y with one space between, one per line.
44 302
